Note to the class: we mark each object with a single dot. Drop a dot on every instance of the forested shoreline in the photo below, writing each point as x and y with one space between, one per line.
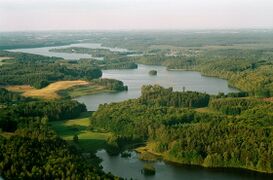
222 136
249 70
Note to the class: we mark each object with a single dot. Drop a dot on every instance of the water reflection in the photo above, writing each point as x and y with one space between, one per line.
131 168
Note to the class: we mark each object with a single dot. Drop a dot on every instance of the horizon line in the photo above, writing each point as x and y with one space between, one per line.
138 30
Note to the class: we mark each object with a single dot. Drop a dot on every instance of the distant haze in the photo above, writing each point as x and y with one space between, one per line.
22 15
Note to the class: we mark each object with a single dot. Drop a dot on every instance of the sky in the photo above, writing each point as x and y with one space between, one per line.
24 15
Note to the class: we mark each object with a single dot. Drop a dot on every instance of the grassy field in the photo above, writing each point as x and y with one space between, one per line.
270 99
6 134
4 58
89 141
49 92
206 110
20 88
147 154
78 91
59 89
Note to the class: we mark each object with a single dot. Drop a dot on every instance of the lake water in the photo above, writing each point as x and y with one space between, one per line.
136 78
69 56
131 167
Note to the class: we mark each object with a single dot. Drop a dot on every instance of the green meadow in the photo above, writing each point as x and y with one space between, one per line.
89 141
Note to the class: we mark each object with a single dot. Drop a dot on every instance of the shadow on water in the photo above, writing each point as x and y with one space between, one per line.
131 168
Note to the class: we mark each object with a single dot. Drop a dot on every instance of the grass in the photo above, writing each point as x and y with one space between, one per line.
146 153
148 148
270 99
6 134
20 88
3 60
89 141
59 89
49 92
206 110
78 91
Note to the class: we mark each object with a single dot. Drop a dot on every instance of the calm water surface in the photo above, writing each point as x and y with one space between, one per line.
135 78
131 167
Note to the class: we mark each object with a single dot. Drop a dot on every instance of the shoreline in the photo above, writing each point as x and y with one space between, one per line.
206 75
146 149
60 89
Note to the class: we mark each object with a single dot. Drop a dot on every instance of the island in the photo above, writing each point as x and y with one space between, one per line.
153 72
148 169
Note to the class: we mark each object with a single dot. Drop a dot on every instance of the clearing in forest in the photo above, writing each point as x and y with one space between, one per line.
89 141
49 92
4 58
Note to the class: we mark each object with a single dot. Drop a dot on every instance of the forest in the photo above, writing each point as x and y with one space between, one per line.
222 136
116 63
112 84
156 95
14 114
96 53
35 151
39 71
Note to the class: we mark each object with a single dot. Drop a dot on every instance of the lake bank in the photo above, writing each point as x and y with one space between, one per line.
131 167
148 149
62 89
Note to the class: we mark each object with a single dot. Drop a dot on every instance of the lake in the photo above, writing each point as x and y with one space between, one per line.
131 167
69 56
136 78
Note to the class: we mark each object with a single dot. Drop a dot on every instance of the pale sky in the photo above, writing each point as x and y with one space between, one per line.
22 15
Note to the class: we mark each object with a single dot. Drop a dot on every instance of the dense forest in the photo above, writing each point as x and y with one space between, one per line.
39 71
18 112
7 97
111 84
156 95
116 63
222 136
34 151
